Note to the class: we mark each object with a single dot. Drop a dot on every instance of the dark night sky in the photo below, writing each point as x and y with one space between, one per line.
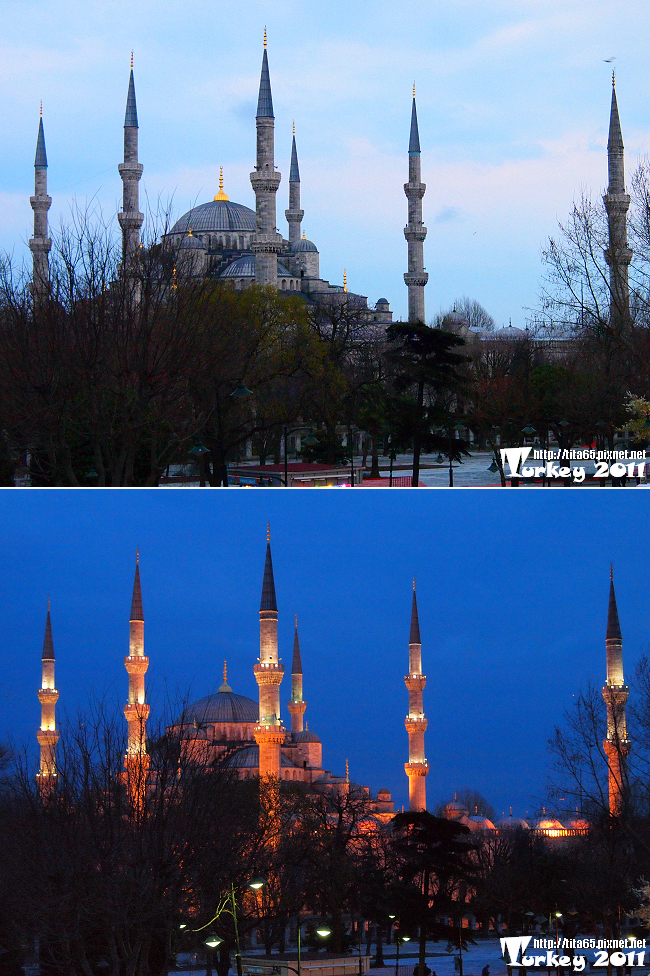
512 593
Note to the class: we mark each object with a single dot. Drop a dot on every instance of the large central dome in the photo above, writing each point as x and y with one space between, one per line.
215 216
224 706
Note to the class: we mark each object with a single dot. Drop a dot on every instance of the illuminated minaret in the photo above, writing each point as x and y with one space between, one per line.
615 693
617 202
130 170
266 243
40 244
270 733
294 214
416 724
136 711
48 696
296 706
415 231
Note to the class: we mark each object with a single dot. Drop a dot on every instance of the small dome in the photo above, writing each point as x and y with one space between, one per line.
192 242
224 706
217 215
303 245
454 811
511 332
511 823
482 822
191 732
383 792
578 823
548 823
305 737
382 301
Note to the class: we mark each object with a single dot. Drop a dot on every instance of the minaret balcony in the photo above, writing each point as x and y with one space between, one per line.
418 278
41 203
137 664
41 245
412 232
136 712
414 725
415 191
47 737
266 182
268 674
132 170
416 768
48 696
415 682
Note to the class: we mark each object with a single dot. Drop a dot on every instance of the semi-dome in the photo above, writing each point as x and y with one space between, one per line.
303 245
305 737
244 267
224 706
249 758
217 215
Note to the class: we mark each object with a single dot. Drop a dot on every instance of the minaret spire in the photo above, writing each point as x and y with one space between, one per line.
136 710
266 243
617 202
268 671
416 724
296 706
415 231
615 693
130 170
294 214
40 244
48 696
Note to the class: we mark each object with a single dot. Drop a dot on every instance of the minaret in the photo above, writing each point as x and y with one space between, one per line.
40 244
415 231
266 243
416 724
294 214
296 706
617 202
136 711
615 693
270 733
48 696
130 170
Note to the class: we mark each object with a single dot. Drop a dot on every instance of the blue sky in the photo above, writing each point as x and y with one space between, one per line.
513 101
512 591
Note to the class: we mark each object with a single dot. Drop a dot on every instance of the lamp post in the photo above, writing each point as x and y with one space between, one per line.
309 439
323 931
400 938
457 427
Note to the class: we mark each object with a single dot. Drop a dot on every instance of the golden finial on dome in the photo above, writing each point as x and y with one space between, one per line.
189 232
294 127
414 584
41 108
221 195
304 236
296 621
265 37
347 771
48 604
413 89
345 280
131 59
611 571
137 556
613 79
174 279
268 531
225 670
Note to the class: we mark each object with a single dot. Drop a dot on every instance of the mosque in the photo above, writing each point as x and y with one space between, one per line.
220 238
249 736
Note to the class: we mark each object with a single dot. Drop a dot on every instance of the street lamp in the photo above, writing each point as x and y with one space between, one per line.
400 938
310 440
323 931
457 427
255 884
213 940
